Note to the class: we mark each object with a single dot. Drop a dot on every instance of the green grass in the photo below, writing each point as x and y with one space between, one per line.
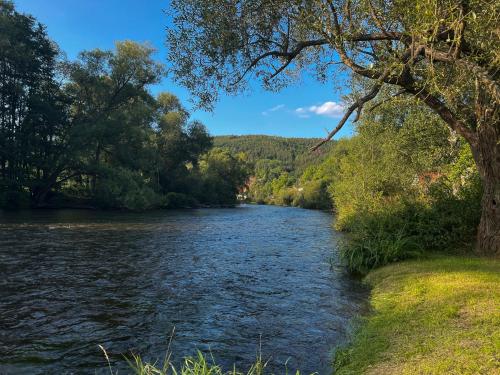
435 316
198 365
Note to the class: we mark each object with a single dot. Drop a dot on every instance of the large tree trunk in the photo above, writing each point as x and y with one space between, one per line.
487 155
488 234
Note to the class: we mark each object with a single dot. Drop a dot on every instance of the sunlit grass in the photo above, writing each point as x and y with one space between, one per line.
437 316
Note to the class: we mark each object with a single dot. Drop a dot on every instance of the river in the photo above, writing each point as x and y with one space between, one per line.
230 281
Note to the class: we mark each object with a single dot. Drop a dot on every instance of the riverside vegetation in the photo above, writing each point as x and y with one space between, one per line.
89 133
420 176
434 316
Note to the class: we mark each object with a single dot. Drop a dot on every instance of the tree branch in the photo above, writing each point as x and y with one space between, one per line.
444 112
481 73
357 105
400 92
290 55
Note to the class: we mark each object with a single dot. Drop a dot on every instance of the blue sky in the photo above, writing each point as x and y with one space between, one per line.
306 109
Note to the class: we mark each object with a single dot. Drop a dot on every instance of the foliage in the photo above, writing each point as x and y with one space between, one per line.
222 174
276 165
397 190
90 130
313 195
198 365
32 117
292 153
434 316
123 188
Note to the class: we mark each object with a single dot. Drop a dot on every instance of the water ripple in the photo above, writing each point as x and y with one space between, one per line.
229 280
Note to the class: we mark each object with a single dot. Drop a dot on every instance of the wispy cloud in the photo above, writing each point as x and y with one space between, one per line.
328 109
303 112
273 109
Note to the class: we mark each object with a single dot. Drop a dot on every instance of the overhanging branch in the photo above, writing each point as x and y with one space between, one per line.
356 106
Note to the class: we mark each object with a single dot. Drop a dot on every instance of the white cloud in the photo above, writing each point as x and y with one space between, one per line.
328 109
302 112
273 109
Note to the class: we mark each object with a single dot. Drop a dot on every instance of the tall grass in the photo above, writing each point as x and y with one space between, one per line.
406 228
197 365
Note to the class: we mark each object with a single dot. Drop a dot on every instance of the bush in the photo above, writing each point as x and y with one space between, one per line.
377 239
122 188
179 200
284 197
315 195
14 199
402 229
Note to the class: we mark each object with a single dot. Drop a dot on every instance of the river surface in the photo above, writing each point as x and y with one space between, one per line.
233 283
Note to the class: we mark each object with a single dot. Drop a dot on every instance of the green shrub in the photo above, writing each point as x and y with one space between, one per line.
14 199
285 196
122 188
402 229
179 200
315 195
378 239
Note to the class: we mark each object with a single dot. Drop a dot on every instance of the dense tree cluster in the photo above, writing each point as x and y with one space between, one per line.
90 133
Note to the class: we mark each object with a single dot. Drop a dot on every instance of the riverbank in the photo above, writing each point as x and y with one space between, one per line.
435 316
65 202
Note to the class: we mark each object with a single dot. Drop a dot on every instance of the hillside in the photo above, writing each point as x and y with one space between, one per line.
293 153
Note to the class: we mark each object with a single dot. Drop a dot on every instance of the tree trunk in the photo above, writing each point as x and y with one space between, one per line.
488 234
487 155
40 195
42 191
97 158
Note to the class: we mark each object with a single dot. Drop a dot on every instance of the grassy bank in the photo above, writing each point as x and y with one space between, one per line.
436 316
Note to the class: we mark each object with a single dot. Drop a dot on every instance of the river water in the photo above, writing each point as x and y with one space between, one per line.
233 283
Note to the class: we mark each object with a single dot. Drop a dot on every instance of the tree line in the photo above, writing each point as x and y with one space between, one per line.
293 153
90 133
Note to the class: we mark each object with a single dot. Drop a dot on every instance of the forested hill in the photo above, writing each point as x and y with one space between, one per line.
294 153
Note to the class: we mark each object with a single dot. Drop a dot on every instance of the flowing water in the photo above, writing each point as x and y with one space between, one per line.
233 283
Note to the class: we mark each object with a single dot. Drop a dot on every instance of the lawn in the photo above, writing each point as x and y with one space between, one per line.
435 316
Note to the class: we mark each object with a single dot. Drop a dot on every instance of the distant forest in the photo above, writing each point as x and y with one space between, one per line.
294 153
